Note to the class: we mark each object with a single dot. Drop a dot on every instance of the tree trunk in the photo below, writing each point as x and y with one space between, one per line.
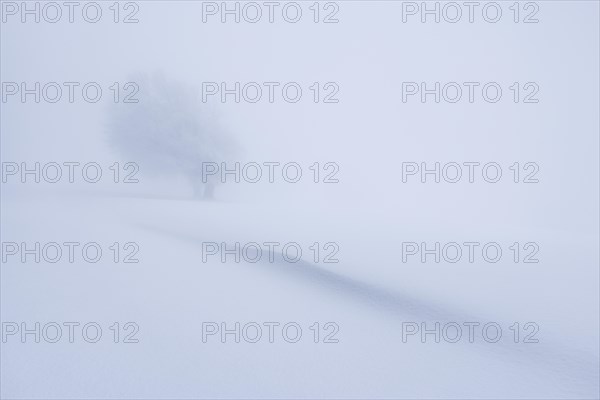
203 191
209 191
198 189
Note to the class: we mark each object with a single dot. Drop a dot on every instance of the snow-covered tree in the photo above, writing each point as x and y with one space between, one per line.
170 132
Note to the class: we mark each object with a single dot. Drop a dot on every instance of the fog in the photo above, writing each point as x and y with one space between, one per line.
332 136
